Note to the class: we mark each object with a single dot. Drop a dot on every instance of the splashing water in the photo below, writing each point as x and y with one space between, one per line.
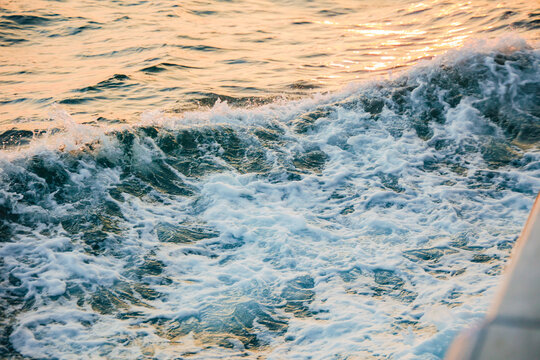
369 222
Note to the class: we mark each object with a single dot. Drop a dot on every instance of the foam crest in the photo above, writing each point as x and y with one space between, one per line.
370 222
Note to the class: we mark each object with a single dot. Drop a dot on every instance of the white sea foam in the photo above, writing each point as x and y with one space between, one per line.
387 250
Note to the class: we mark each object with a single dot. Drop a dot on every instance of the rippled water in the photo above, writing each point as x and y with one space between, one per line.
110 61
257 209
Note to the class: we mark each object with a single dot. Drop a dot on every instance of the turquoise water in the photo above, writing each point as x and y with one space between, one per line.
300 180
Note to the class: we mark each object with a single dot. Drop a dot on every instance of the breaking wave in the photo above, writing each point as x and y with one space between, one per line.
373 222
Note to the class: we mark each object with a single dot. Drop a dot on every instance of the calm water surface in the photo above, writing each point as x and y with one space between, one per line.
111 60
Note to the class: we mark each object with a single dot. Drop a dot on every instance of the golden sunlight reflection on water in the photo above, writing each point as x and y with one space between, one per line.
108 61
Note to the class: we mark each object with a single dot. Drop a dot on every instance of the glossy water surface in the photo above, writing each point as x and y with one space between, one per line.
107 61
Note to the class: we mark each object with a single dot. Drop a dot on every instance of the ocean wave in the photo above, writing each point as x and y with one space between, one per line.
372 221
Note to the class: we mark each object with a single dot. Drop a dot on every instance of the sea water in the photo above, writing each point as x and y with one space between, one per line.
247 179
